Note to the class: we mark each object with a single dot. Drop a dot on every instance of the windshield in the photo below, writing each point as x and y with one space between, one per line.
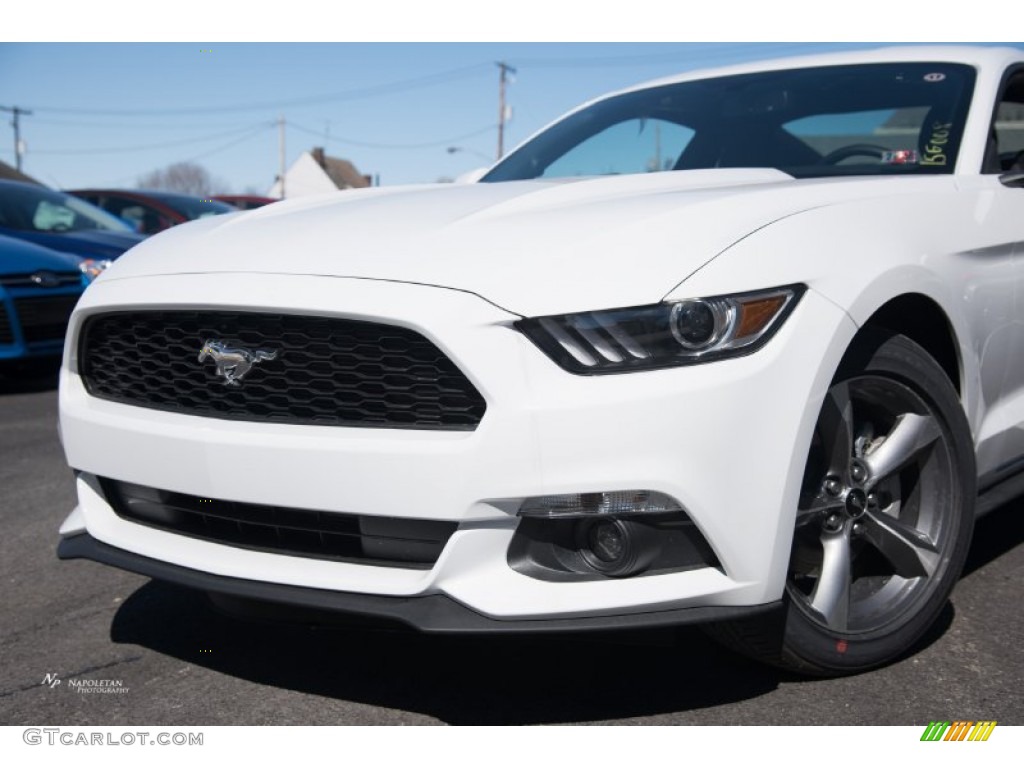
37 209
826 121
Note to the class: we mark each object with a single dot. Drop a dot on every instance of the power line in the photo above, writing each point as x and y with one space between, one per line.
145 147
208 153
702 54
377 145
233 142
116 122
422 81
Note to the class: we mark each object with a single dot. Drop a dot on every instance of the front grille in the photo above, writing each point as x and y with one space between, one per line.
6 331
390 541
44 318
42 279
327 371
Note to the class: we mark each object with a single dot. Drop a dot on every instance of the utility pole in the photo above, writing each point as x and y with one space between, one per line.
280 151
505 69
17 112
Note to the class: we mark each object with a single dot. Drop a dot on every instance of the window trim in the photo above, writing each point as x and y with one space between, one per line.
1011 72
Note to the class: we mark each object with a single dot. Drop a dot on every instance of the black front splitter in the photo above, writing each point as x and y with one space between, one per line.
427 613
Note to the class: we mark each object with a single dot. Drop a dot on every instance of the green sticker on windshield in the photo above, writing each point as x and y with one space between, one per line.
934 152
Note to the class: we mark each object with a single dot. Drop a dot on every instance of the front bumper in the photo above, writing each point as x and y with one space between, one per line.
727 440
426 613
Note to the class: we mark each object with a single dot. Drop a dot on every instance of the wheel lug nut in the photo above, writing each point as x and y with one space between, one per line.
872 501
858 473
858 528
833 523
833 486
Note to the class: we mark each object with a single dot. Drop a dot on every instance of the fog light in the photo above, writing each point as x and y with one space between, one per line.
149 504
616 547
606 542
605 503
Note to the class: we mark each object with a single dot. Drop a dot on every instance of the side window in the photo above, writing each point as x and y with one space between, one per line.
135 215
1007 154
52 217
634 146
144 218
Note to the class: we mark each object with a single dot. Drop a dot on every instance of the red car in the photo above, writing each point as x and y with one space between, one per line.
245 202
152 211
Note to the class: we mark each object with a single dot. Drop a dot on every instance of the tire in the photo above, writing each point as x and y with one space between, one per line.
884 521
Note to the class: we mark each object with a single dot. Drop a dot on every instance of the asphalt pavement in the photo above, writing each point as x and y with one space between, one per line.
165 657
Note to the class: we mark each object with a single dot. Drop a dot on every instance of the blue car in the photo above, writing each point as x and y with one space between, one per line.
63 223
38 290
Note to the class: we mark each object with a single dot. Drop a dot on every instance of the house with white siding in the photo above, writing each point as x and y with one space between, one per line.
315 172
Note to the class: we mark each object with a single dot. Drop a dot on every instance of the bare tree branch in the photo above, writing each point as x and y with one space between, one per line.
186 178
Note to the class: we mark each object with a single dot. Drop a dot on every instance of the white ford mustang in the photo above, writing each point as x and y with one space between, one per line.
741 347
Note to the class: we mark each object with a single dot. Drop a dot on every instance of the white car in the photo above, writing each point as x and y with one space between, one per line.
739 347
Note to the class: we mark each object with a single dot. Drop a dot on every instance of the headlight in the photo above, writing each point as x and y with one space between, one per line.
662 335
92 268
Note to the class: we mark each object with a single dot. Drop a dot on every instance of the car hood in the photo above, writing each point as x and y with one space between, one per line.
532 247
86 244
18 258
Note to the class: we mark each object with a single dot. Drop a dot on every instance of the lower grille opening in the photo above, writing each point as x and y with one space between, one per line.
6 331
44 318
365 539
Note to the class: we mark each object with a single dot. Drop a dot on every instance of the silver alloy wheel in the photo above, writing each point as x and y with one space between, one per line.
877 515
884 518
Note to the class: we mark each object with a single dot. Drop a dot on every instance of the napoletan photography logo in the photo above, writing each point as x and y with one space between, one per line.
958 730
84 685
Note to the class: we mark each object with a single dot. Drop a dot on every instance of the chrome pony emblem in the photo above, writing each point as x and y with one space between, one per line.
233 362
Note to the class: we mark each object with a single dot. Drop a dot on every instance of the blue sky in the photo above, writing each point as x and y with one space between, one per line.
106 113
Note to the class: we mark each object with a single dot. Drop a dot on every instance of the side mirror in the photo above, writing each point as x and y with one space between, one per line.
1012 179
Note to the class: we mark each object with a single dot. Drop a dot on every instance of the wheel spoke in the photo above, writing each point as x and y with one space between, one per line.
911 435
811 508
910 552
836 428
831 595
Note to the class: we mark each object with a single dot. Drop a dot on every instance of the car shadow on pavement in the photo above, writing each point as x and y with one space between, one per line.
459 680
996 534
27 382
481 679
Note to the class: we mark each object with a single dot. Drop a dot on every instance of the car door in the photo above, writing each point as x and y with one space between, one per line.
1000 211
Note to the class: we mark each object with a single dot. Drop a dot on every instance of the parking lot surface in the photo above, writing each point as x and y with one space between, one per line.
176 661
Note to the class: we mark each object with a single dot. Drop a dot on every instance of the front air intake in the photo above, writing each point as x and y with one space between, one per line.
300 370
370 540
